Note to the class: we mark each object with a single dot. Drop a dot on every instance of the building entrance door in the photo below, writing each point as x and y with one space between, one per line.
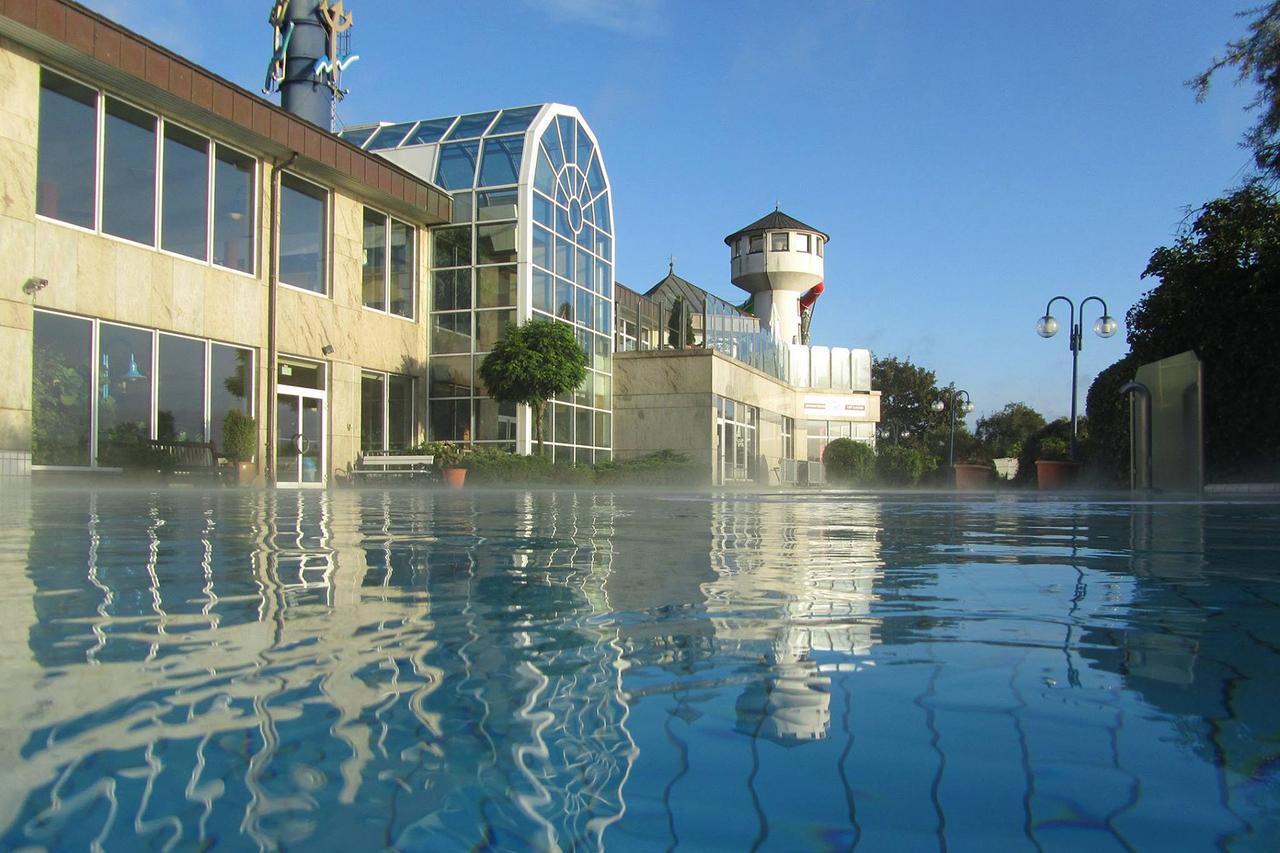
300 445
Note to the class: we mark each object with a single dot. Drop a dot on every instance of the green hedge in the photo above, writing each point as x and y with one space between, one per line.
486 466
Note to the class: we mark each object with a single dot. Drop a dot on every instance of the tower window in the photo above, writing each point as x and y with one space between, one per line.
779 242
756 244
802 243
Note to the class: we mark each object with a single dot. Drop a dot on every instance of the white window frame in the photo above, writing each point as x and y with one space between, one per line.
327 233
386 404
386 271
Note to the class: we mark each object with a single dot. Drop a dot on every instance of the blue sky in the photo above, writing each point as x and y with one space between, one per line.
970 160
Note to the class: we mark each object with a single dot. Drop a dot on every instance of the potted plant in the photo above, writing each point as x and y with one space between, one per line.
974 475
1054 468
448 458
239 442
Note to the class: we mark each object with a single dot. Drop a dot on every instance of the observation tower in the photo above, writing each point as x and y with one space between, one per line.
778 260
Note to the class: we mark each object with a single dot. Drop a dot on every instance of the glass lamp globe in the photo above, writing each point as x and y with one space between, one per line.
969 407
906 433
938 405
1105 326
1046 326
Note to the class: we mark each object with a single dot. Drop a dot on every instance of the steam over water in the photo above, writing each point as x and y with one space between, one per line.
575 670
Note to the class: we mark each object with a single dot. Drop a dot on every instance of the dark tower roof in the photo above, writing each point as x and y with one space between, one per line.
776 220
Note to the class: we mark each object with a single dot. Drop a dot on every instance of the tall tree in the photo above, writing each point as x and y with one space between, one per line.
532 364
907 394
1004 432
1219 295
1257 56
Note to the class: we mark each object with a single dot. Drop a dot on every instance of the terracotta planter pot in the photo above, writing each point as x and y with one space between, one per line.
970 476
1055 473
246 473
454 477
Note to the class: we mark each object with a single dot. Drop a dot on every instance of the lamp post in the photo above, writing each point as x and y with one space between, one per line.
967 405
1104 327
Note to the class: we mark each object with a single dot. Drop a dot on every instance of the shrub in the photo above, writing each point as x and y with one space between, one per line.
239 436
848 461
1055 438
899 466
663 468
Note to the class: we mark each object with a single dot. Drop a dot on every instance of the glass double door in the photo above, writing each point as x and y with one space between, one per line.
300 445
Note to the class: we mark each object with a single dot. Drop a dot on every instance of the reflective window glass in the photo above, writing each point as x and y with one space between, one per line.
451 376
563 424
564 258
501 163
595 176
451 333
495 421
129 173
372 422
180 389
567 140
779 242
389 136
429 131
603 386
586 237
496 287
601 206
233 216
462 204
184 218
582 419
562 223
230 386
400 419
400 279
61 393
515 121
544 176
303 238
473 124
584 270
124 393
452 246
358 136
457 169
604 247
496 244
585 148
542 291
756 244
564 300
66 161
551 144
450 420
586 307
373 270
603 280
602 436
300 374
819 242
603 314
542 210
451 290
802 242
491 327
498 204
542 247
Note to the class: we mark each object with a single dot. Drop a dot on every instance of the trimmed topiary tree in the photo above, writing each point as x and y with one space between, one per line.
899 466
533 363
239 436
848 461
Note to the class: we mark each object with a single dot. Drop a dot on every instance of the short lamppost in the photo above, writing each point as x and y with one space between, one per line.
893 431
1104 327
966 406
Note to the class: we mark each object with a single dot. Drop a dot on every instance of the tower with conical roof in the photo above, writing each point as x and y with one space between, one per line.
777 259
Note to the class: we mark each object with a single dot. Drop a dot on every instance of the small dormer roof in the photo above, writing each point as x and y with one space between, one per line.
775 220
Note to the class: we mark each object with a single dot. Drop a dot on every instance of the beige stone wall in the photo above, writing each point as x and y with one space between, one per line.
109 279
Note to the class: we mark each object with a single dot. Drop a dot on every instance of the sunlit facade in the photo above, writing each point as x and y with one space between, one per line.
532 237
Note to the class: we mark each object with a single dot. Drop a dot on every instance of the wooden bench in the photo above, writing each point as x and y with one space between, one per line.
190 459
386 464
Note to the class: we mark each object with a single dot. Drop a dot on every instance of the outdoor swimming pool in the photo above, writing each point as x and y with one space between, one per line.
430 670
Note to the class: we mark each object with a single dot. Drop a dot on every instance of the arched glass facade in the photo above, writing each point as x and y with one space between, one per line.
532 236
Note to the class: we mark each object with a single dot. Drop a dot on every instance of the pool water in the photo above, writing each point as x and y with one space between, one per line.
426 670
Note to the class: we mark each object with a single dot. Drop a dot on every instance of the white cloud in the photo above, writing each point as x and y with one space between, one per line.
630 17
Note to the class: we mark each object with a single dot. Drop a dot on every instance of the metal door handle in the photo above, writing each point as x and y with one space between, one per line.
301 443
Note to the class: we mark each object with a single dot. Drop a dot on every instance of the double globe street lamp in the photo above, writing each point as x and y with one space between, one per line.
966 407
1104 327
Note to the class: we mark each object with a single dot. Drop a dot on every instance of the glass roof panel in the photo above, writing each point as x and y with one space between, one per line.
429 131
602 212
551 141
545 177
358 136
391 135
472 124
566 136
595 175
515 121
584 146
501 163
457 169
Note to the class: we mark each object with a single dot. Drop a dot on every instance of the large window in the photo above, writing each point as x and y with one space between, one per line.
137 384
304 231
388 264
386 412
204 209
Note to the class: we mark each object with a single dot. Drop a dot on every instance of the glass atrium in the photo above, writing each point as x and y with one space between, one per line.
532 237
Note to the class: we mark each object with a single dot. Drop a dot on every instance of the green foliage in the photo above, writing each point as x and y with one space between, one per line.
447 453
908 393
1052 441
899 466
533 363
1004 432
59 410
127 446
239 436
663 468
849 462
1108 412
490 466
1054 449
1257 56
1219 295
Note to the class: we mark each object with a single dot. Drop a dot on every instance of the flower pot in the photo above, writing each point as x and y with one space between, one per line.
971 476
1055 473
246 473
454 477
